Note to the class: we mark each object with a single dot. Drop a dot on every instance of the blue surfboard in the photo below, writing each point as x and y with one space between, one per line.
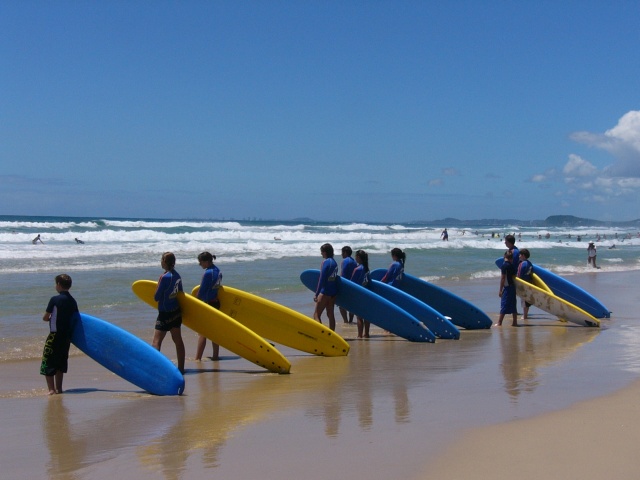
434 320
569 291
461 312
373 308
126 355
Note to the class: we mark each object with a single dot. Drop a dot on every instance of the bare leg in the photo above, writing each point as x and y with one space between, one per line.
176 335
50 384
158 337
58 378
343 313
202 343
328 303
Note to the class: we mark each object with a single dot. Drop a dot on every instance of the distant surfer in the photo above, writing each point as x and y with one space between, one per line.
445 235
79 241
591 255
36 240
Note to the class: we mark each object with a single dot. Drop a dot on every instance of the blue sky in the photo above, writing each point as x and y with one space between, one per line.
368 111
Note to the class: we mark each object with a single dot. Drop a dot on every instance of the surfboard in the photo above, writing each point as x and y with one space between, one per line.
279 324
373 308
569 292
537 281
126 355
554 305
220 328
433 320
461 312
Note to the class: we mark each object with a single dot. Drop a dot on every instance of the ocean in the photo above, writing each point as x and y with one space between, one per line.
262 257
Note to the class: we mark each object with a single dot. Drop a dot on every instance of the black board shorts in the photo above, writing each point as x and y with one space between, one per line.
168 320
55 355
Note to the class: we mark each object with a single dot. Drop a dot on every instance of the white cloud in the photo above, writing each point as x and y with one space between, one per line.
621 141
578 167
436 182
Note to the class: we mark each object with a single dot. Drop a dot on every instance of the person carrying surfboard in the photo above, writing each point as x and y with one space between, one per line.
208 293
396 269
59 313
361 276
507 292
327 289
169 314
525 272
347 266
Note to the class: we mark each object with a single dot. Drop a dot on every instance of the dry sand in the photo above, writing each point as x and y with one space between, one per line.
505 401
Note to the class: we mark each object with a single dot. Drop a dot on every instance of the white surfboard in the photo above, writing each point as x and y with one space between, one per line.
554 305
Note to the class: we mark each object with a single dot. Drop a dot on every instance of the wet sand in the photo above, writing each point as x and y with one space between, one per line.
519 401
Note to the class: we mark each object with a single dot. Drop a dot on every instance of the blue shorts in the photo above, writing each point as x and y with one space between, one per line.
169 320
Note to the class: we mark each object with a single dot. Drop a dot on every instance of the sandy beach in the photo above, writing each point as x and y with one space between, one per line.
547 398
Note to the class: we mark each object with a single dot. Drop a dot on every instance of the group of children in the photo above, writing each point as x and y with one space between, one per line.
515 264
63 309
356 271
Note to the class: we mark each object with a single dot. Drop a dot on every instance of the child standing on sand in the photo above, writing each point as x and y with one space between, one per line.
169 314
525 272
395 271
361 276
507 291
208 293
59 313
327 288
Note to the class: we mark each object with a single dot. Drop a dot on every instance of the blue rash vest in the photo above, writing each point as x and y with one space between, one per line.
525 271
328 274
347 267
394 274
361 277
211 281
166 295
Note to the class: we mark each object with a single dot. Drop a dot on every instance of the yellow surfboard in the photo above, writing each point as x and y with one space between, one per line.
538 282
280 324
554 305
220 328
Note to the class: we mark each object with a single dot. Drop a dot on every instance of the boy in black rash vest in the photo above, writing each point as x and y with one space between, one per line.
60 313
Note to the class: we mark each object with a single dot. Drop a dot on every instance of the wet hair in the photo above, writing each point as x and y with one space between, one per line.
525 252
206 257
510 239
169 260
328 249
399 254
347 249
364 259
64 281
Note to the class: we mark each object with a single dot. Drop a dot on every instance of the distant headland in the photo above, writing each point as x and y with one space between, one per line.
551 221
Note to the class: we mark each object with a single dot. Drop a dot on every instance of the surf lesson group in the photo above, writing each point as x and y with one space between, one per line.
391 299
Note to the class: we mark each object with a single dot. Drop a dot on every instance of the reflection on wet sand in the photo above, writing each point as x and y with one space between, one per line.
224 405
102 436
537 343
373 384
